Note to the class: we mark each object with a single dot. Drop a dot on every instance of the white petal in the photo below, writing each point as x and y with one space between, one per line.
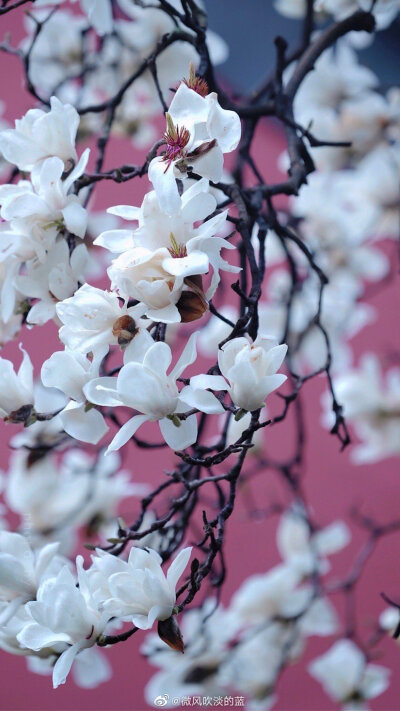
85 426
75 218
178 438
177 567
126 432
102 391
203 400
213 382
188 356
115 240
64 663
165 186
127 212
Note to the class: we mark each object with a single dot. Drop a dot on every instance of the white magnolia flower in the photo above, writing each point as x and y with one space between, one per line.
78 491
345 675
341 315
251 369
166 255
336 223
22 570
57 49
90 667
378 183
389 620
144 385
304 550
41 209
40 135
207 632
368 120
253 665
70 371
267 595
53 280
149 25
337 76
94 319
10 297
384 10
99 14
199 132
140 590
63 613
372 403
16 389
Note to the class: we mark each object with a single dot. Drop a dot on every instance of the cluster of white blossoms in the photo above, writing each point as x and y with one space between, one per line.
54 616
64 48
384 11
165 270
243 648
168 267
155 346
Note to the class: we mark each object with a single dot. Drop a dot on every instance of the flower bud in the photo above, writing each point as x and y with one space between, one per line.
168 630
24 414
192 303
124 330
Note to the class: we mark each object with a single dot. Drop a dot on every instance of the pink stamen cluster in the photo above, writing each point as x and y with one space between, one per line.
195 82
176 139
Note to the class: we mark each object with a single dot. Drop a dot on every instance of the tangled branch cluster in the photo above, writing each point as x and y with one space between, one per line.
299 295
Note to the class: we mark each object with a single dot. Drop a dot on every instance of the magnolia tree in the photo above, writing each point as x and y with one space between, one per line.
215 305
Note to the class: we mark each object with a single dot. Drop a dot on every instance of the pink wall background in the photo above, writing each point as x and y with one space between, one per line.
332 485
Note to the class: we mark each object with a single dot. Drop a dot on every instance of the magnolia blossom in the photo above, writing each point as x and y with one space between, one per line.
40 135
345 675
57 49
199 132
144 385
341 315
337 75
78 491
16 389
150 23
372 403
304 550
22 570
336 223
389 621
207 632
63 613
90 667
278 594
161 262
53 280
70 371
41 209
94 319
99 14
384 10
378 184
251 369
138 589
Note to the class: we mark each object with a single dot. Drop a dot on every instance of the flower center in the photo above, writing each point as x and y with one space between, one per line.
196 83
176 250
176 139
